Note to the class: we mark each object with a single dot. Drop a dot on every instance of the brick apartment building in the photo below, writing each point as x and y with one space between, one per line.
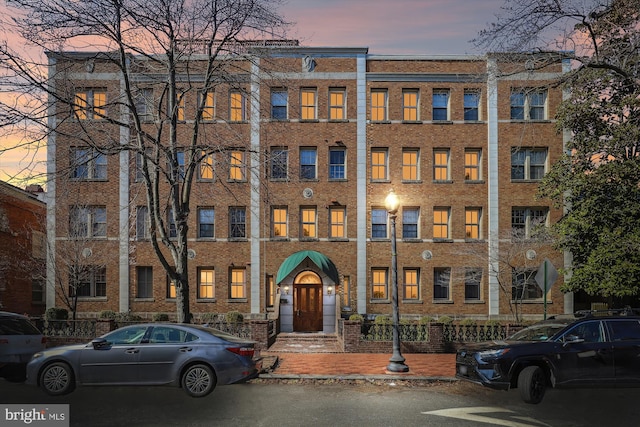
22 249
461 142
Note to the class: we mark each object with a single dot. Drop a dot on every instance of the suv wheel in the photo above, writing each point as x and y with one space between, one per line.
532 384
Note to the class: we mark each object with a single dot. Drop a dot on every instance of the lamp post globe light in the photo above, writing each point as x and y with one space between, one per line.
396 363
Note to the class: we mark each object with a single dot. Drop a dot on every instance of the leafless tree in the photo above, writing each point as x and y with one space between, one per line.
162 51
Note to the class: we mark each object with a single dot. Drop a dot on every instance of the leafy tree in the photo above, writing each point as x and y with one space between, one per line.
149 44
598 179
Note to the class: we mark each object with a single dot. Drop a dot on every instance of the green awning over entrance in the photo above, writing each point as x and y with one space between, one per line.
320 260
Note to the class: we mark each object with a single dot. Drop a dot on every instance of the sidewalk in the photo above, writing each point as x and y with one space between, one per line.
289 365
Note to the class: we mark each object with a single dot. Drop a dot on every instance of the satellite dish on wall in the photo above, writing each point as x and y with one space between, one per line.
87 252
191 254
307 193
427 255
531 254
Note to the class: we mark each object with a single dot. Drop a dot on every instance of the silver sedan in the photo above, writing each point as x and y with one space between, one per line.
193 357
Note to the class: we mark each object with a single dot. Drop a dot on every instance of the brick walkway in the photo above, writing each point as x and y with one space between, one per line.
355 364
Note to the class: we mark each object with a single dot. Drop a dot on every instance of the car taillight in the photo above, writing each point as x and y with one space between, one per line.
242 351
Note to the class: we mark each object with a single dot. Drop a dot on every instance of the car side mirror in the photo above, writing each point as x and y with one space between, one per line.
572 339
100 344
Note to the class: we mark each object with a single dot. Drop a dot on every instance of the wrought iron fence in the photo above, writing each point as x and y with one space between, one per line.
474 333
85 328
384 332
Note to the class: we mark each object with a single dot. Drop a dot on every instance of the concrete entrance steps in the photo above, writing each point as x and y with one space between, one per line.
307 342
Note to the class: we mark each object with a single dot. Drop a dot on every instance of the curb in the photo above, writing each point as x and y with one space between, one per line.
352 377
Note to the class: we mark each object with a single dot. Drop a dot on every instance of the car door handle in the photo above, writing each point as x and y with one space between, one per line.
131 350
185 349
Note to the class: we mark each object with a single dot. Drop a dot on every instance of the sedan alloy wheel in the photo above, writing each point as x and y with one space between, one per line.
198 380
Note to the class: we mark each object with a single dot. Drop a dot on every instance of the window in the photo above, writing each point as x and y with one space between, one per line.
237 108
171 222
279 222
145 282
410 105
206 283
238 283
279 163
471 105
144 104
208 107
379 283
524 286
237 165
337 104
441 164
337 163
411 288
91 104
88 281
379 164
88 163
279 98
410 218
171 288
143 223
440 104
379 105
140 159
472 223
271 291
308 222
528 163
528 104
308 107
237 222
346 291
379 224
180 106
179 165
410 158
308 163
37 291
440 223
525 222
206 218
624 330
88 222
472 279
205 171
441 283
472 164
337 222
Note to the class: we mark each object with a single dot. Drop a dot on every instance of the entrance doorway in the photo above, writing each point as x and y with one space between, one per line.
307 303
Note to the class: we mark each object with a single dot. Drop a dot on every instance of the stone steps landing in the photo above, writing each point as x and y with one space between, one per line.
305 343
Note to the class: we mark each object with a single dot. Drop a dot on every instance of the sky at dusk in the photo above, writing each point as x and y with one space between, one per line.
416 27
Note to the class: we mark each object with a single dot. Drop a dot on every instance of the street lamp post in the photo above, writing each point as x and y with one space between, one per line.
396 363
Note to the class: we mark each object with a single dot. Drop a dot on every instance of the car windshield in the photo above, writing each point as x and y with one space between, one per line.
540 332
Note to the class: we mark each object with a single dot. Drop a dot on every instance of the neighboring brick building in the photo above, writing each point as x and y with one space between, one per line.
22 249
462 146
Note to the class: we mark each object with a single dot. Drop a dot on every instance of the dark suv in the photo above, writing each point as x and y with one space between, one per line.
597 350
19 340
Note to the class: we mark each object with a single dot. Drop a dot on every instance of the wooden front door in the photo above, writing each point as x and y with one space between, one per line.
307 309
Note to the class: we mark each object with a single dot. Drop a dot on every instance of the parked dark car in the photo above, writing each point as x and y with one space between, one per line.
19 340
593 351
193 357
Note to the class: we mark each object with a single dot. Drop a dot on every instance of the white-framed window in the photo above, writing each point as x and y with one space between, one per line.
237 106
238 283
206 222
528 104
472 223
441 283
472 281
526 221
472 164
237 165
441 164
279 222
205 169
237 222
309 222
90 104
208 103
143 223
379 105
524 285
410 164
206 283
337 222
308 103
88 281
145 104
411 284
279 163
88 222
410 222
380 283
379 223
441 222
379 164
279 104
308 163
88 164
410 105
440 105
528 163
337 104
337 163
144 279
471 105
